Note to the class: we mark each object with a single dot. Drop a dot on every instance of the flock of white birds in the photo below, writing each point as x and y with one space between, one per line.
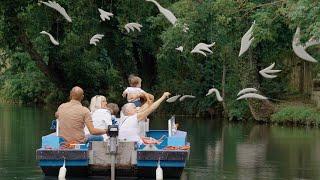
200 48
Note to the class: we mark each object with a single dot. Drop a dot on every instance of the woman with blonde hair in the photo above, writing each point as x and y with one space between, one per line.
97 102
101 115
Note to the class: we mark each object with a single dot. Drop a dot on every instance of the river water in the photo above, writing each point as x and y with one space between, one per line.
218 150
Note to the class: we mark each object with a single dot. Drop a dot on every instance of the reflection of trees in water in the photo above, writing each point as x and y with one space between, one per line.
298 151
242 151
251 161
214 154
20 135
269 152
259 134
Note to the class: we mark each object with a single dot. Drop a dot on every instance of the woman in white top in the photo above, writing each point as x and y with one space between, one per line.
101 116
129 124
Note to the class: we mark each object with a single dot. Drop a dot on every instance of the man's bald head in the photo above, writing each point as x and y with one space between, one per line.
76 93
129 109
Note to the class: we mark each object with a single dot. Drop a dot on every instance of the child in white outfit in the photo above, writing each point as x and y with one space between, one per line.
135 89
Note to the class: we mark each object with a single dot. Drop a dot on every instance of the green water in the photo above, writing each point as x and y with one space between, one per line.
219 150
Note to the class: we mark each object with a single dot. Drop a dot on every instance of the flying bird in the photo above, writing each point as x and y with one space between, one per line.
247 90
312 42
268 71
168 14
180 48
201 47
104 15
132 26
96 38
252 95
299 49
58 8
186 96
55 42
173 99
214 90
185 28
247 40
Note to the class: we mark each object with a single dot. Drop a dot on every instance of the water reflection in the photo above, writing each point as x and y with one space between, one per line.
219 150
21 129
254 152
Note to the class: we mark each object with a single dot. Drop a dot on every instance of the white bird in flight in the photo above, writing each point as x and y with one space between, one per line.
186 96
247 90
214 90
299 49
168 14
58 8
173 99
202 47
247 40
55 42
132 26
252 96
185 28
266 72
104 15
312 42
180 48
250 93
96 38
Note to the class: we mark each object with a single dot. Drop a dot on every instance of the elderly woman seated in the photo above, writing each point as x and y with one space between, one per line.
129 125
101 116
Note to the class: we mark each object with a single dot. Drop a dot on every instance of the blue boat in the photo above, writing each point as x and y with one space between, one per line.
131 159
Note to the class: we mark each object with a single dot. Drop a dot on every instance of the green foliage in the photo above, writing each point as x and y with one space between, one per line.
103 69
23 82
296 115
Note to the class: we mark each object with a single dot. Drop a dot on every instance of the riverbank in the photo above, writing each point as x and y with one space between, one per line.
303 113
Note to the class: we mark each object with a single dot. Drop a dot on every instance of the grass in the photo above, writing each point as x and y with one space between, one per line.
297 114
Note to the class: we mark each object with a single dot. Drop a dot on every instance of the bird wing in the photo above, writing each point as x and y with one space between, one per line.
218 96
169 15
173 99
58 8
312 42
264 74
253 96
186 96
210 91
246 90
246 40
96 39
299 49
53 41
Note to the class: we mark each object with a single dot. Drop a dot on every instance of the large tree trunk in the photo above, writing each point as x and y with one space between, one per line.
15 26
261 110
38 59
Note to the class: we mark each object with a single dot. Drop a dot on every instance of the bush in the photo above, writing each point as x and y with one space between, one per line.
297 115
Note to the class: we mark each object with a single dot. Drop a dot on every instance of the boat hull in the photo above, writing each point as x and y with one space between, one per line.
131 160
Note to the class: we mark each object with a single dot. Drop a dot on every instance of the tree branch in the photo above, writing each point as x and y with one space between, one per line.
38 59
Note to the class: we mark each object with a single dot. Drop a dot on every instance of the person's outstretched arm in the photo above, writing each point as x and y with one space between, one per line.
95 131
91 128
145 113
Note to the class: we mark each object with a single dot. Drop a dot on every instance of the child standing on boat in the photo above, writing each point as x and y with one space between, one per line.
134 90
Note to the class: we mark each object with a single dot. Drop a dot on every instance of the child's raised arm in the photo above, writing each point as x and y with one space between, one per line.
124 93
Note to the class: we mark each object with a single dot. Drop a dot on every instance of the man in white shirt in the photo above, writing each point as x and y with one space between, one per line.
129 126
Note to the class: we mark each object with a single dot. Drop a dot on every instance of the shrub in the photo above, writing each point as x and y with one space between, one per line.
297 115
